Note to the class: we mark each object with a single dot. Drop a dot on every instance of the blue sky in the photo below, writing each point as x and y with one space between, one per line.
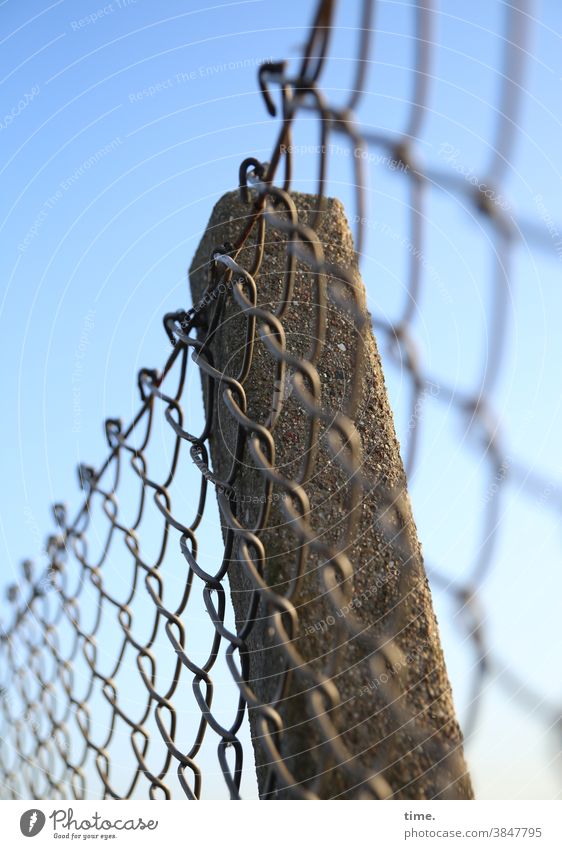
122 125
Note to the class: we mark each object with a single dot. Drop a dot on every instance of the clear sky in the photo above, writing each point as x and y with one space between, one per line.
120 127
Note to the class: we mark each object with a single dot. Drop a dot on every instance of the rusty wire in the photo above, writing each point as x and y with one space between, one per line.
48 749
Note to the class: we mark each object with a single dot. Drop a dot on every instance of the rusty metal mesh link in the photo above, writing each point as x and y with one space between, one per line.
47 738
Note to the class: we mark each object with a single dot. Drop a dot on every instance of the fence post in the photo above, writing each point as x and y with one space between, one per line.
349 662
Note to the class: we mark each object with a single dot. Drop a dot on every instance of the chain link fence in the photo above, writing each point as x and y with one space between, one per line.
133 612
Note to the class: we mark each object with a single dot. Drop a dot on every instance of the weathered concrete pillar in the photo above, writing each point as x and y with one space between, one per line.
413 744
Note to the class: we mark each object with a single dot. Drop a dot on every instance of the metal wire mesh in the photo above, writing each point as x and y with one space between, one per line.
49 748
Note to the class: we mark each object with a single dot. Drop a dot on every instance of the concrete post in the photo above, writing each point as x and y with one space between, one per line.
415 745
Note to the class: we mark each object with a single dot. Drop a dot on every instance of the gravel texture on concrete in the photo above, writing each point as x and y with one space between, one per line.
385 590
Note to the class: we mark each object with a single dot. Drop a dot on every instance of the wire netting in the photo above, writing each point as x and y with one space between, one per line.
93 693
